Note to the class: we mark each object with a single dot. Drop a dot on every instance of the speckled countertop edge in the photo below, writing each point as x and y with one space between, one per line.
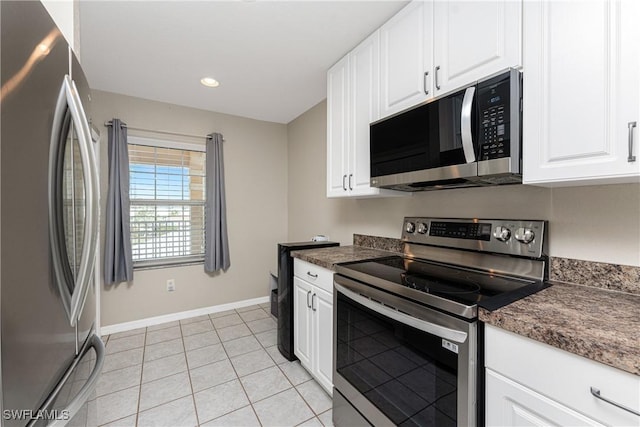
600 325
329 257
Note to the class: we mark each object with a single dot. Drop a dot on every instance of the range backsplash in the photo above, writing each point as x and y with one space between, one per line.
601 275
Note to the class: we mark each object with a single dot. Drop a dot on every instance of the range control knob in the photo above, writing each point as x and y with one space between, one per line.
502 233
422 228
411 227
525 235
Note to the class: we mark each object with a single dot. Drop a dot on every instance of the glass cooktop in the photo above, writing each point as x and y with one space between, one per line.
464 286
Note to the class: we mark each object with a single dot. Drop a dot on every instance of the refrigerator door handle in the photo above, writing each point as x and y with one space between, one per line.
69 103
85 392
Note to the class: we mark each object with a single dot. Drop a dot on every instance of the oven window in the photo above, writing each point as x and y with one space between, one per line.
404 372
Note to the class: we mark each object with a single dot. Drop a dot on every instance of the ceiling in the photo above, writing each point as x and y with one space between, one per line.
270 57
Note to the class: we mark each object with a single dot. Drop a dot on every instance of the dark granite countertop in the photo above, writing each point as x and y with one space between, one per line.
598 324
329 257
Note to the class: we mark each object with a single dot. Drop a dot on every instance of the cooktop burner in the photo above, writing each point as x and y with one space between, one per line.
436 286
464 286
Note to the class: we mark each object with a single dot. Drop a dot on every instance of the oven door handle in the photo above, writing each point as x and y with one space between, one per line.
423 325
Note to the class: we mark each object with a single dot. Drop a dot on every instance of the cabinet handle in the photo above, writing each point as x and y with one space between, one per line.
631 157
350 176
426 73
308 304
313 300
436 73
596 393
315 276
344 185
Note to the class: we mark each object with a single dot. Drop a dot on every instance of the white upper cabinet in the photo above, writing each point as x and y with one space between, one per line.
352 104
364 71
337 121
474 39
433 47
581 92
405 58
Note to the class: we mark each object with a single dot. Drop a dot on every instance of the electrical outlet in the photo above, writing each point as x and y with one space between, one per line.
171 285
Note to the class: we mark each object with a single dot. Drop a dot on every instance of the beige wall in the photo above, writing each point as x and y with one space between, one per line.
574 214
255 154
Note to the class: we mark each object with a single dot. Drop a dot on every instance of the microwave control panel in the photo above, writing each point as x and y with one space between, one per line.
495 126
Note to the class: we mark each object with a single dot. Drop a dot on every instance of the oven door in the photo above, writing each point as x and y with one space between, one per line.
397 362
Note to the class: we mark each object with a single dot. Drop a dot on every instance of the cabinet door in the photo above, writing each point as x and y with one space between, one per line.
365 107
337 128
405 57
509 403
474 39
580 91
323 339
302 322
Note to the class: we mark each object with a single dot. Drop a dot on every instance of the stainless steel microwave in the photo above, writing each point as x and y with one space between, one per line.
472 137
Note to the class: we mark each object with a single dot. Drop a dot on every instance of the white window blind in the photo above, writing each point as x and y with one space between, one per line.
167 194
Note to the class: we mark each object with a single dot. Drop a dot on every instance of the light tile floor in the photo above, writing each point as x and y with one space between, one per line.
218 370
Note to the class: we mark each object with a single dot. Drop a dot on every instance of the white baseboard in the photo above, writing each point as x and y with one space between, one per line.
151 321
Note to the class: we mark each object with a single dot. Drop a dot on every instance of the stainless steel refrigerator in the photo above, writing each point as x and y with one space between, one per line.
51 357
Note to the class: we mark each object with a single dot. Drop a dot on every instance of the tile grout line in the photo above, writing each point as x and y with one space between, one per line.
238 376
236 372
193 395
141 373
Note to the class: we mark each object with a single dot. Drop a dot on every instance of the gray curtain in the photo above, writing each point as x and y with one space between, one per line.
118 263
216 248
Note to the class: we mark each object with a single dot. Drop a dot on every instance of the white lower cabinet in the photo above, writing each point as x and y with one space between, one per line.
529 383
512 404
313 321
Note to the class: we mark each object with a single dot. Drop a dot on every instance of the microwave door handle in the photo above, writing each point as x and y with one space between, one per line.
465 122
423 325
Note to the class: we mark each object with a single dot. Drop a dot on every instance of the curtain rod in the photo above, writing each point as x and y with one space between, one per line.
108 123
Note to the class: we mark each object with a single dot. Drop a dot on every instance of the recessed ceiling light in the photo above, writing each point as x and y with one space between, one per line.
210 82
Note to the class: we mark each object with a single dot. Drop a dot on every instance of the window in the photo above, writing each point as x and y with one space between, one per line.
167 194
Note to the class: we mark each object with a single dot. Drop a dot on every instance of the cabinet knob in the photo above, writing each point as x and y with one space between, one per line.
410 227
422 228
502 233
525 235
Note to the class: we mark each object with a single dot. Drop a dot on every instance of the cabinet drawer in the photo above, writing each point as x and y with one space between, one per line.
512 404
314 274
563 376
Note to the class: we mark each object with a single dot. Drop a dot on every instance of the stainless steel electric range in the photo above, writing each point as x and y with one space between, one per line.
407 342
